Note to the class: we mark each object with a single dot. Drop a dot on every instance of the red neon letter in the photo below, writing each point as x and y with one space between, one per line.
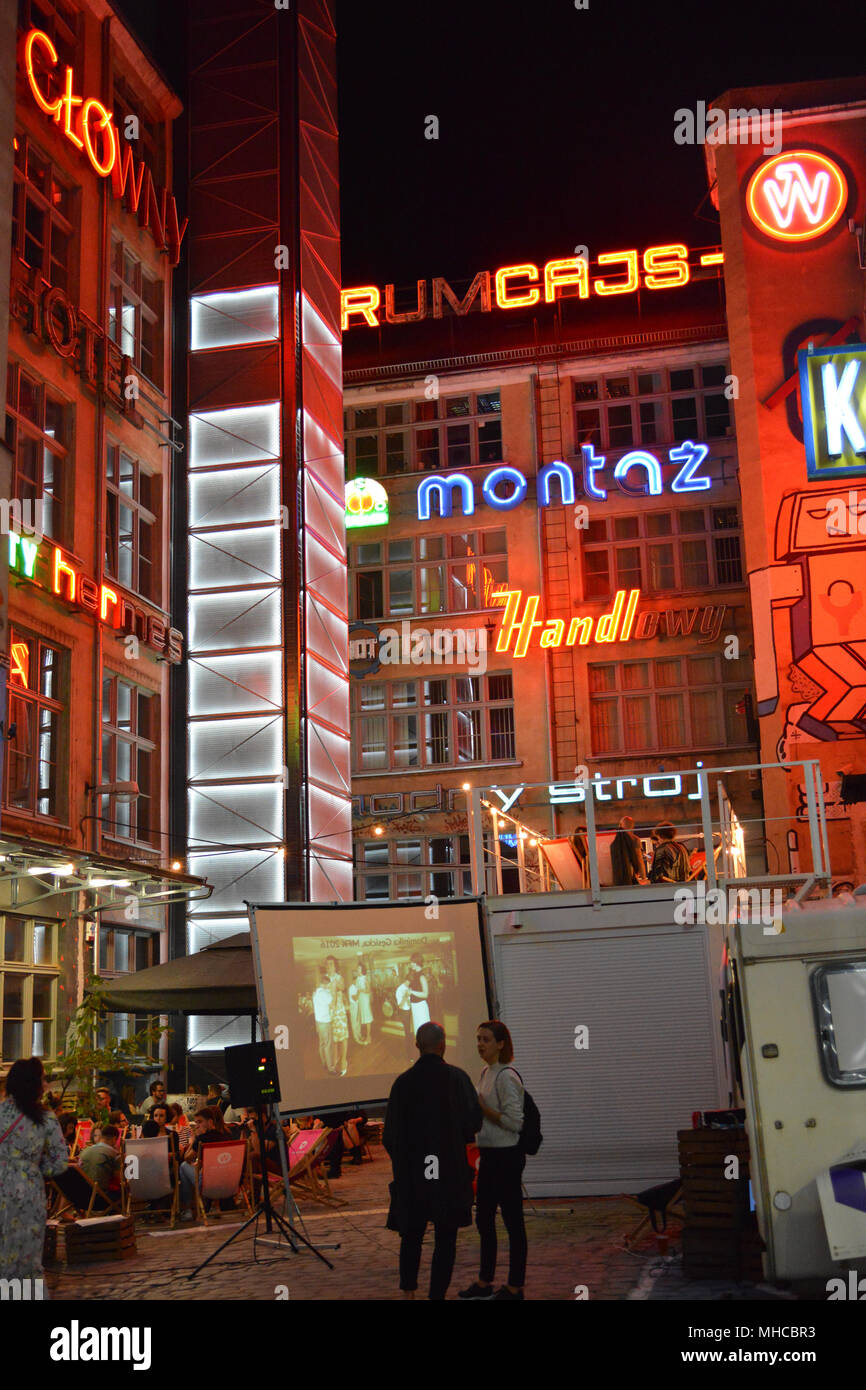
61 568
68 101
666 267
20 673
515 301
571 271
106 596
363 300
610 258
36 36
106 129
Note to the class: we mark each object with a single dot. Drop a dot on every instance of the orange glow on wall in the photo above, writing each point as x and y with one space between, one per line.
20 665
665 267
627 286
363 300
796 196
614 626
573 270
513 299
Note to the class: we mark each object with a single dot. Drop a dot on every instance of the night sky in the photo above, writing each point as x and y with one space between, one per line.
555 124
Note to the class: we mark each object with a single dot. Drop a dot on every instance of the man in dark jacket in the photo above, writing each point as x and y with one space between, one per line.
626 856
433 1113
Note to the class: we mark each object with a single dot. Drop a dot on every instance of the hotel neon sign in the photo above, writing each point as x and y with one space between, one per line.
92 130
665 267
53 570
688 456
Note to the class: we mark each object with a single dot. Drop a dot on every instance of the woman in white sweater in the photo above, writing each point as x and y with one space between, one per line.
500 1169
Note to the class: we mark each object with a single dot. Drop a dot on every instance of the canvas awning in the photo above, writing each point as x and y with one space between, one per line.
217 980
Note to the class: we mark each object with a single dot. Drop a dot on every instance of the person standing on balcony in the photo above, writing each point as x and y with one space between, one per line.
626 856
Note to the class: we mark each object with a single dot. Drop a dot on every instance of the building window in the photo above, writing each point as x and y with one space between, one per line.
135 313
149 145
663 552
456 573
61 22
130 723
123 950
42 215
386 870
132 530
38 684
642 408
453 432
448 721
676 703
28 978
39 434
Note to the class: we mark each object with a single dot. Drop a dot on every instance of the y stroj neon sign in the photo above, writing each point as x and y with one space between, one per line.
688 478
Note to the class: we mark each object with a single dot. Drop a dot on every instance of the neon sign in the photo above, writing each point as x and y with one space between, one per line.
566 793
19 670
833 392
665 267
688 456
366 503
620 624
89 126
796 196
51 569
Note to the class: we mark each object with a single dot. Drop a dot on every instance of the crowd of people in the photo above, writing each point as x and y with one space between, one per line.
343 1014
670 862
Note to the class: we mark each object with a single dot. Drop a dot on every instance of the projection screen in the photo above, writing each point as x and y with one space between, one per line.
343 989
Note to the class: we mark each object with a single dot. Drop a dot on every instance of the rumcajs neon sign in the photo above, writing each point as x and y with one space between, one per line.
833 392
646 481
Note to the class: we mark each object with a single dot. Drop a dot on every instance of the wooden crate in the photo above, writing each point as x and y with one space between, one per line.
720 1234
100 1238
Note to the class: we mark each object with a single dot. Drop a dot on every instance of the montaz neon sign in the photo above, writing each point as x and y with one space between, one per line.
521 286
53 570
89 126
688 456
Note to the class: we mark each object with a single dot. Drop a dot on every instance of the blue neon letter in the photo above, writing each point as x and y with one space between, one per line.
563 472
691 456
592 464
644 460
511 475
442 487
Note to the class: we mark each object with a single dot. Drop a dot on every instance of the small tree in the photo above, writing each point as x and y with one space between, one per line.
82 1058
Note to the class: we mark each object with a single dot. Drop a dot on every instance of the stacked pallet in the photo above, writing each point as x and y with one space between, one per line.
720 1234
99 1238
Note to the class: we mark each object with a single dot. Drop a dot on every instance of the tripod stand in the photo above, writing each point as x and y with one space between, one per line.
264 1208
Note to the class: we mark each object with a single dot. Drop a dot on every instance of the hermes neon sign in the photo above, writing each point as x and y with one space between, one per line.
53 570
666 267
91 129
688 456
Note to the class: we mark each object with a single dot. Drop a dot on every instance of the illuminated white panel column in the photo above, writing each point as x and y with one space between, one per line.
236 701
326 676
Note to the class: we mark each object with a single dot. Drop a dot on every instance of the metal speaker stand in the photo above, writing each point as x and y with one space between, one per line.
265 1209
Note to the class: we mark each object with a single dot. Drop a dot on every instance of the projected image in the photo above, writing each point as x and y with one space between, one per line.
362 999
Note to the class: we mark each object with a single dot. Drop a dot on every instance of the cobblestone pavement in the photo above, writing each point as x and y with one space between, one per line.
572 1243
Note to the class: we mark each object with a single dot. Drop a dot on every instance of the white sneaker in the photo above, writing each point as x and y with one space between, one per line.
186 1215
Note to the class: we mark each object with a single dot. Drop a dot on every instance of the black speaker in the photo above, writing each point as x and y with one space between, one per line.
252 1073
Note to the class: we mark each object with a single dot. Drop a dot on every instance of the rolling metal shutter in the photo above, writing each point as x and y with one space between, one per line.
610 1114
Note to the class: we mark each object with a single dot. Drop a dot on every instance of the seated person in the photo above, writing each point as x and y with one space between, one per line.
215 1096
101 1161
157 1128
208 1127
156 1096
249 1128
67 1121
671 858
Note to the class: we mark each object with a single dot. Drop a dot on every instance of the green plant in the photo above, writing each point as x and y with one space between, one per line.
83 1059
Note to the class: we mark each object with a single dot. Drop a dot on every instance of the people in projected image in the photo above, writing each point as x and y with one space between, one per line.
339 1017
360 993
419 993
323 1013
353 1010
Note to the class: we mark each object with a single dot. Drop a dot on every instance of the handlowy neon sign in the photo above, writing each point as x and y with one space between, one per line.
665 267
620 624
46 565
688 456
89 126
796 196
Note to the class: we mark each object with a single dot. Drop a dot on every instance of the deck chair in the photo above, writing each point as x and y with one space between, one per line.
75 1192
83 1131
220 1171
666 1198
156 1176
305 1155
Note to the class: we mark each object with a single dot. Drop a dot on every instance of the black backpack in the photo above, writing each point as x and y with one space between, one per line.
531 1138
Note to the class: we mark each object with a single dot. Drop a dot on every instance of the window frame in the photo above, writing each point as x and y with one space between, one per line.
420 418
27 190
678 539
664 432
111 826
116 498
825 1030
123 293
428 870
56 705
18 428
449 562
654 692
29 971
448 713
